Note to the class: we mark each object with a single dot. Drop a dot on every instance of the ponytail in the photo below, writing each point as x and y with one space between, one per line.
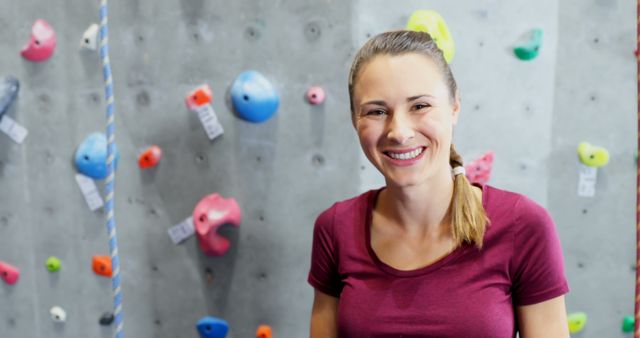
468 217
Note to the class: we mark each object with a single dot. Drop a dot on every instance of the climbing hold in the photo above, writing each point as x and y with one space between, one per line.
577 321
90 38
429 21
628 324
58 314
264 331
42 42
9 88
199 101
592 156
254 97
212 327
211 212
53 264
479 170
199 96
9 273
102 265
315 95
529 45
106 319
91 156
150 157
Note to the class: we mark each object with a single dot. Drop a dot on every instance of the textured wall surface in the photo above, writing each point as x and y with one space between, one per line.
285 171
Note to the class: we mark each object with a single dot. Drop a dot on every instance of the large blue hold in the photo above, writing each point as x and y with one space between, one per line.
91 156
253 97
9 88
212 327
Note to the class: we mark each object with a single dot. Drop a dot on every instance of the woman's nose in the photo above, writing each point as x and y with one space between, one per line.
400 129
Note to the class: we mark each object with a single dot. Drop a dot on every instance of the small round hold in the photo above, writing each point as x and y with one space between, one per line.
106 319
53 264
58 314
315 95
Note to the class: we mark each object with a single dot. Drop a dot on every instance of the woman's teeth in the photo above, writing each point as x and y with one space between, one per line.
406 156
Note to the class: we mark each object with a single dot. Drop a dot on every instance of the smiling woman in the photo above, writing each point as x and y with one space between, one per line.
428 254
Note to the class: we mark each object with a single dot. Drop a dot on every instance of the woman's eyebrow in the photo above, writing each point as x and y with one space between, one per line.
412 98
376 102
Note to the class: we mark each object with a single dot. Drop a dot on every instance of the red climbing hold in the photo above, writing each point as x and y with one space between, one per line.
9 273
41 44
150 157
210 214
198 97
479 170
102 265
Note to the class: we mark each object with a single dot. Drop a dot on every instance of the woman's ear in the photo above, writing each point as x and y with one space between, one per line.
456 108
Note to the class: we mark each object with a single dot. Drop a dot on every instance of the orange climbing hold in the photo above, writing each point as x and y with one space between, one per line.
150 157
199 96
264 331
102 265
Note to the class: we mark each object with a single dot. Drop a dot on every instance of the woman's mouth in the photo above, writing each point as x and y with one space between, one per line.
405 155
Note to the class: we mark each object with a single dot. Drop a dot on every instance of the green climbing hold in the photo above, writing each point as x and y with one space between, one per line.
429 21
53 264
529 46
592 156
577 321
628 324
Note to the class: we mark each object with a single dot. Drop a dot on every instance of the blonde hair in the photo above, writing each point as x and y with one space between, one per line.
468 217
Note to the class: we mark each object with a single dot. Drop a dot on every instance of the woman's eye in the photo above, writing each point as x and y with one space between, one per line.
420 106
375 112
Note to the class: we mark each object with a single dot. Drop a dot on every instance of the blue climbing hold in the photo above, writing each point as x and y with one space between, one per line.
9 88
253 97
91 156
212 327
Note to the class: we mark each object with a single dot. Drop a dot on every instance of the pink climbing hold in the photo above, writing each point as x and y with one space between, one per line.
41 44
210 214
479 170
9 273
315 95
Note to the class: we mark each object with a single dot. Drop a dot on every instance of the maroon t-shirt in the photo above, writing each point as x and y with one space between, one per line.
468 293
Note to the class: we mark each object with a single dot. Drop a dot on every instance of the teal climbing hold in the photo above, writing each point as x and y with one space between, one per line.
529 47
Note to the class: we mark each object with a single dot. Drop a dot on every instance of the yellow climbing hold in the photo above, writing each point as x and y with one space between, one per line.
592 156
429 21
577 321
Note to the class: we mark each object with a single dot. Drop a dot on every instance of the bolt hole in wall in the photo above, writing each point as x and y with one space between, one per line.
525 113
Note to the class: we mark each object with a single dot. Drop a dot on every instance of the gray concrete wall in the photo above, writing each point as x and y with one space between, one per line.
284 172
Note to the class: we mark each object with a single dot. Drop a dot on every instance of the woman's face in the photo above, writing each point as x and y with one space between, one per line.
404 117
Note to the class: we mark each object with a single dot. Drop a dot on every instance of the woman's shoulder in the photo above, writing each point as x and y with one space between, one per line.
345 210
521 210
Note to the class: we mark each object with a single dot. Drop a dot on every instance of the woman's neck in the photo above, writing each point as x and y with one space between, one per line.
423 209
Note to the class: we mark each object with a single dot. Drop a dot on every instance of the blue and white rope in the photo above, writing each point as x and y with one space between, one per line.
110 181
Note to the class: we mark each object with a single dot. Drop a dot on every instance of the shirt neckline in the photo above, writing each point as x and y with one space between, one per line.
373 196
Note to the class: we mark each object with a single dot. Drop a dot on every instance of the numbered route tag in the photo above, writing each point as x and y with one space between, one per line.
587 181
90 192
15 131
181 231
209 120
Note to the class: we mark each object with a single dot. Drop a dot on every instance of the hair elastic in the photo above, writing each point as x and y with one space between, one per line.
458 170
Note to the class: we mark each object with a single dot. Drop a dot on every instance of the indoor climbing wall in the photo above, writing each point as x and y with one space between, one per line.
529 116
281 172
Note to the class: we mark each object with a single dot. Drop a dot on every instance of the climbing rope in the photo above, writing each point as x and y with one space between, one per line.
110 181
636 331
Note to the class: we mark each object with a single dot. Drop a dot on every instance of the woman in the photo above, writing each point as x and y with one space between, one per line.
429 254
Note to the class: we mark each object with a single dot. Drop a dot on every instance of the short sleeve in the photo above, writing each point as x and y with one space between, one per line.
538 264
323 274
